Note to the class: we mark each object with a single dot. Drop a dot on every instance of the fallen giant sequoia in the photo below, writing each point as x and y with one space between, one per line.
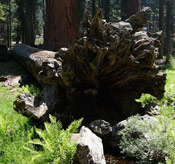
100 76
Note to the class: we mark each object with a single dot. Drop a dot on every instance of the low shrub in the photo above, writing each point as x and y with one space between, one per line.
147 141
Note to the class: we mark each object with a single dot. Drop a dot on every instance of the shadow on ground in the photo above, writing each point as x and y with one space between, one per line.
12 73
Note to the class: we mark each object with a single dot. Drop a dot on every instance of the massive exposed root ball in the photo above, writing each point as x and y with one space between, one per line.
101 75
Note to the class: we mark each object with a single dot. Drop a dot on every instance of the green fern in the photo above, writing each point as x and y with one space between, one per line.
73 127
55 144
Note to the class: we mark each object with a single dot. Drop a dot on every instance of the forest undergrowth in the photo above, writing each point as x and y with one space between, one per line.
161 143
19 137
22 143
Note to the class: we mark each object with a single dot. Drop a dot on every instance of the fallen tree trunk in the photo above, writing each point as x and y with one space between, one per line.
109 66
36 61
45 69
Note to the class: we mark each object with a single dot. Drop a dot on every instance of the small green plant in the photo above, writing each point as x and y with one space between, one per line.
55 145
34 90
171 65
146 99
171 159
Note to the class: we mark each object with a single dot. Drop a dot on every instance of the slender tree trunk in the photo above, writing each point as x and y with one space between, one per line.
44 10
100 3
44 17
168 31
80 10
8 33
30 22
10 25
18 34
9 28
93 7
106 9
61 24
129 7
161 20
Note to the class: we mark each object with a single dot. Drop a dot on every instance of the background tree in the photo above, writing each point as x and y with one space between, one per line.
29 21
81 7
129 8
106 9
9 23
169 29
1 12
93 7
2 20
61 24
161 20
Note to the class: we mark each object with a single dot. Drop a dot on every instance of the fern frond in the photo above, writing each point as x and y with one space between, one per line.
49 128
52 119
73 127
31 150
36 142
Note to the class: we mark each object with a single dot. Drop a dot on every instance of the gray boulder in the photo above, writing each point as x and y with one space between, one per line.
89 148
100 127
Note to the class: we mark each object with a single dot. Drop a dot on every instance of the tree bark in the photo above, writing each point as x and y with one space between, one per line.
100 3
61 24
129 8
44 10
93 7
9 26
161 20
107 10
80 10
100 76
32 59
168 39
29 22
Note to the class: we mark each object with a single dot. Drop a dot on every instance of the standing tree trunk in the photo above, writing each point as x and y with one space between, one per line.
100 3
30 22
20 19
93 7
61 24
161 20
44 10
80 10
44 17
106 9
18 34
9 28
129 7
168 30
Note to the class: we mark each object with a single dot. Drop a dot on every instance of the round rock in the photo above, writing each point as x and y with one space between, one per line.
100 127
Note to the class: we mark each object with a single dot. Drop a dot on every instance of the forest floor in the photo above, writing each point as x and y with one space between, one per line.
16 130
